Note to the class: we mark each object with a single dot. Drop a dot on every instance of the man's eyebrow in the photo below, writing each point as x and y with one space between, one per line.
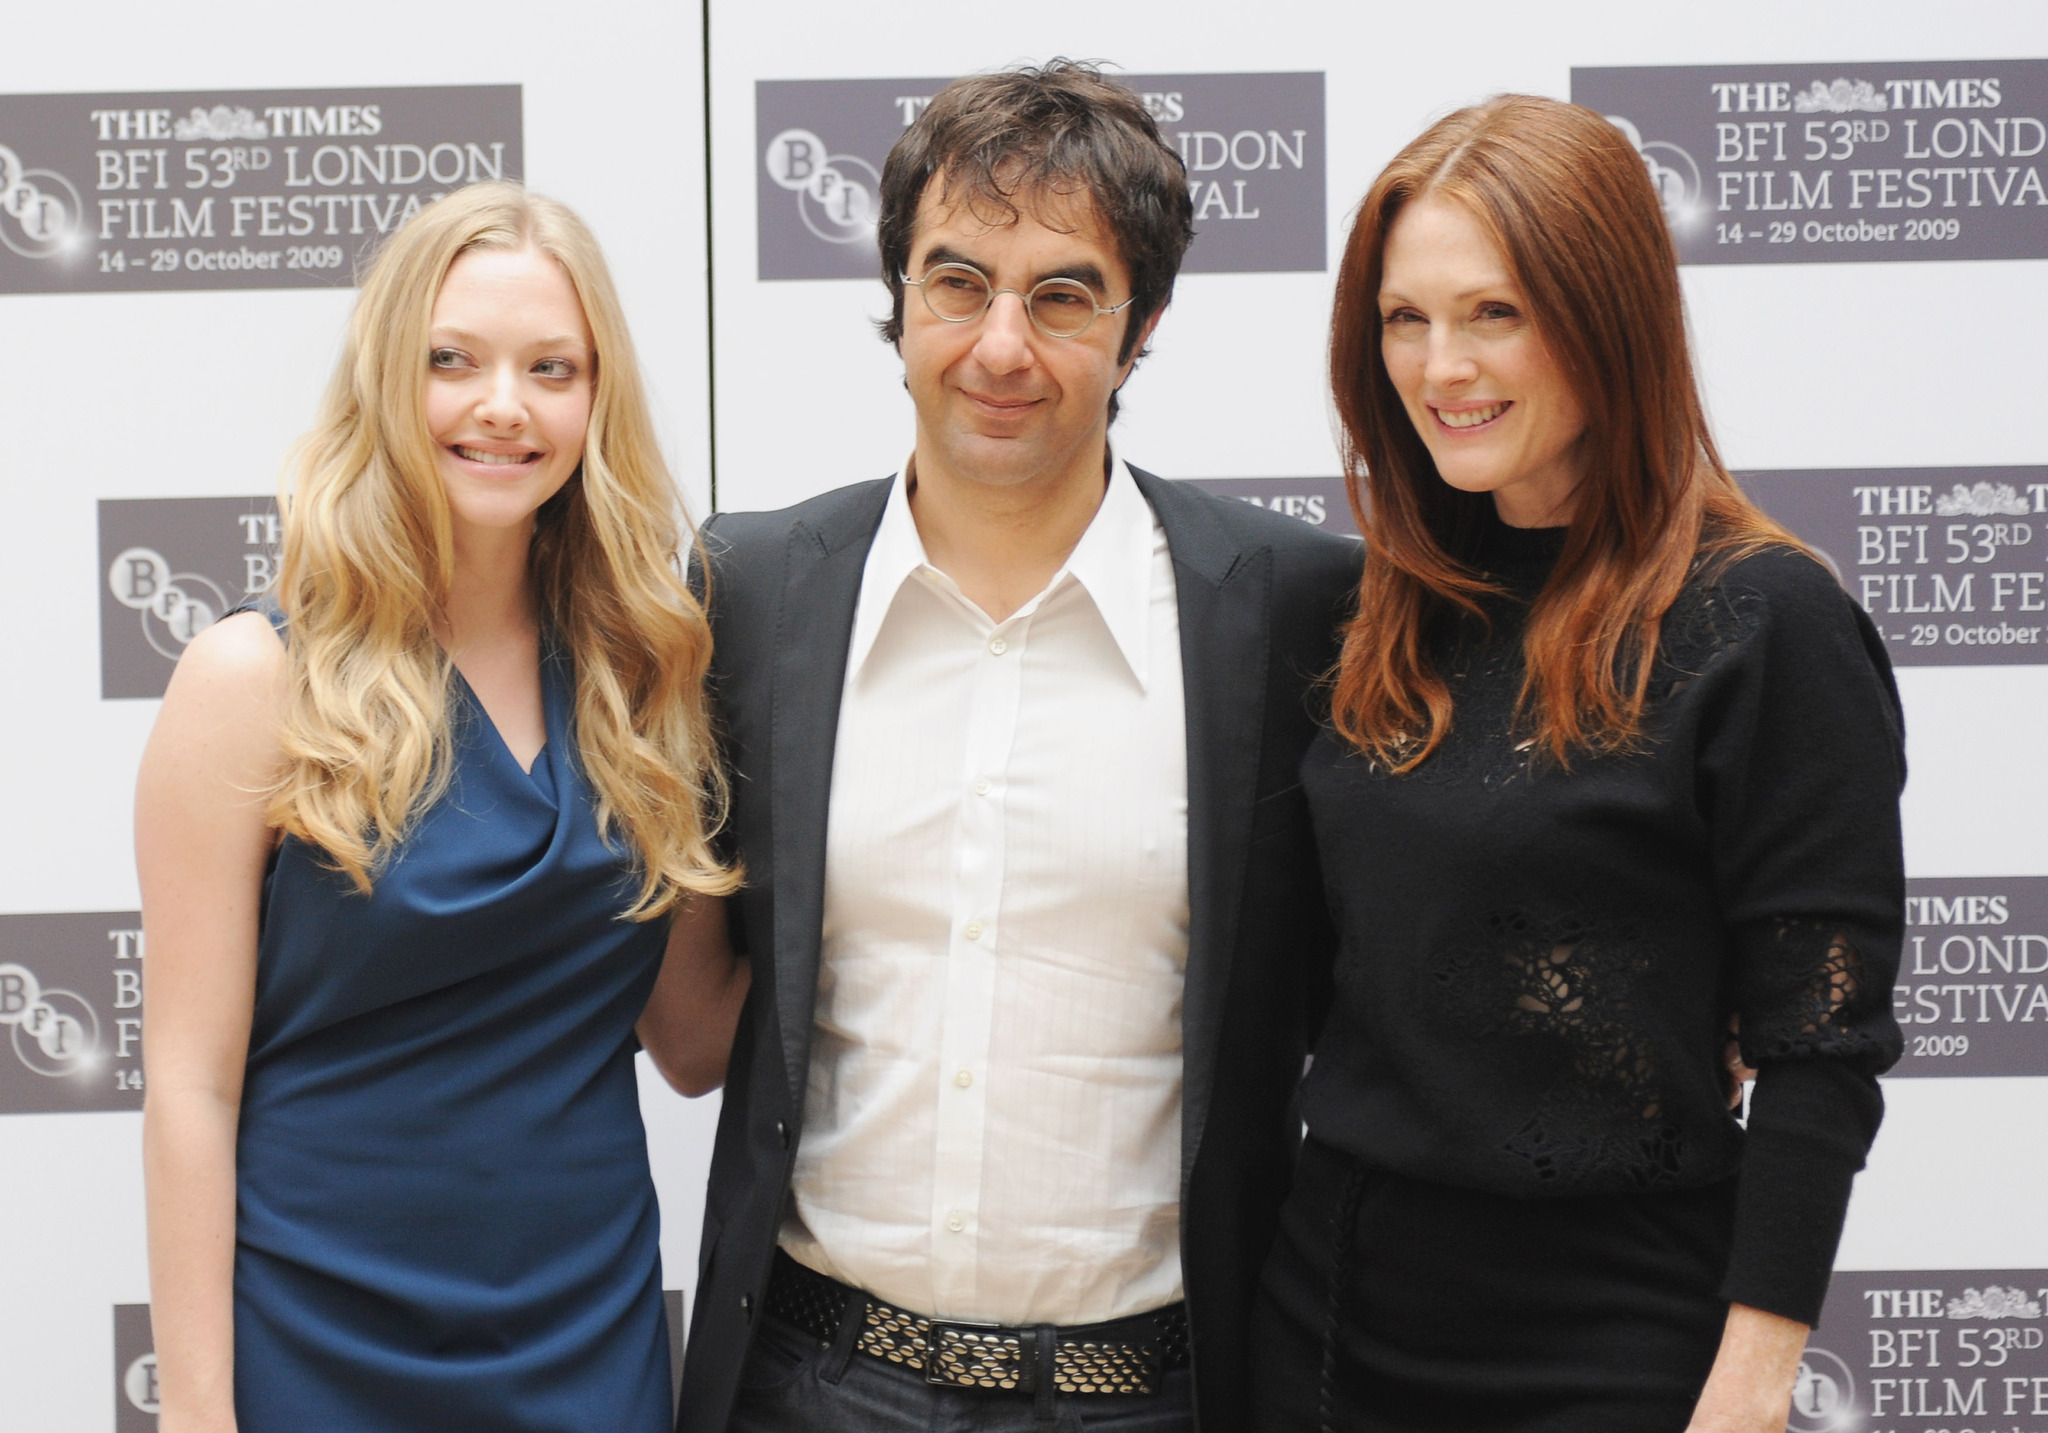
1083 272
942 254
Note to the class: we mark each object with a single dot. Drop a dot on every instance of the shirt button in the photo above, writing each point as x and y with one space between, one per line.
998 646
973 931
981 787
964 1079
955 1222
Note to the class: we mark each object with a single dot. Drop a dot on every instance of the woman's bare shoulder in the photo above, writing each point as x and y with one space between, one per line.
243 647
223 705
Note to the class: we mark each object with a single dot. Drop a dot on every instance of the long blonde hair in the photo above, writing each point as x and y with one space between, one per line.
368 558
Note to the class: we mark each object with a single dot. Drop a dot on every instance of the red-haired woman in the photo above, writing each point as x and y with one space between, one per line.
1615 767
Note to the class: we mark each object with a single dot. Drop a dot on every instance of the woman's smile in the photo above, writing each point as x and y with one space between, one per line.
1469 419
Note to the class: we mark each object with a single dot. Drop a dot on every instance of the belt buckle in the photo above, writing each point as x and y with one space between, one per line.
963 1355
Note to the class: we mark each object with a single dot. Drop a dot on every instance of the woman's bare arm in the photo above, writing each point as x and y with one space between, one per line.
1750 1387
688 1025
201 842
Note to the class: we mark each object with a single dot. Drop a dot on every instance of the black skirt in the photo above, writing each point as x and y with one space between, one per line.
1392 1305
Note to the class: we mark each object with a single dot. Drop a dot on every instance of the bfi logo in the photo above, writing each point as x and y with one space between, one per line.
71 1001
169 569
135 1385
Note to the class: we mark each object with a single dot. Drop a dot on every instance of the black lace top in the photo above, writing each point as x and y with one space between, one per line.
1538 967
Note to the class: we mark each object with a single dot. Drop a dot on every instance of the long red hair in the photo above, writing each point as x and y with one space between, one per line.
1569 202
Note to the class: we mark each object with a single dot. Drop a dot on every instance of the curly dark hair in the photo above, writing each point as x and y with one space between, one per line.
1059 128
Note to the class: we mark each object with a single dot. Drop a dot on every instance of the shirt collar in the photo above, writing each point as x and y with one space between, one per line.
896 555
1112 562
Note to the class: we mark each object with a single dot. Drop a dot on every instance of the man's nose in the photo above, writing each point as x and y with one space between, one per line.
1005 342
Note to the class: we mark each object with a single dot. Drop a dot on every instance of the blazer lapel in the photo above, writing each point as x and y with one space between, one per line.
1224 596
821 584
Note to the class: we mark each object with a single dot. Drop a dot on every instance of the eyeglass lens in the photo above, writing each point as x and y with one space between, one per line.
1062 308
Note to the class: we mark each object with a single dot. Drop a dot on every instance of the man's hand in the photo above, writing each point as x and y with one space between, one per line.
1734 1074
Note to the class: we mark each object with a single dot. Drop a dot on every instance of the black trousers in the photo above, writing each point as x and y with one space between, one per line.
1391 1305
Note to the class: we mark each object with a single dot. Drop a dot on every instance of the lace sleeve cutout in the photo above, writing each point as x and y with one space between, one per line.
1802 995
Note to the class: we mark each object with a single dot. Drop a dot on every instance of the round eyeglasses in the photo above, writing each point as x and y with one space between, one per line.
1058 308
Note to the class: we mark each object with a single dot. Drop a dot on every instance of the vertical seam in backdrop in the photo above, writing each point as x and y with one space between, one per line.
710 282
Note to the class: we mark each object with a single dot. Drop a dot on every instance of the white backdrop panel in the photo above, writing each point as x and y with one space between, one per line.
200 394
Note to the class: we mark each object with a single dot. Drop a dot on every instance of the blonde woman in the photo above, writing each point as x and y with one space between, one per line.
422 846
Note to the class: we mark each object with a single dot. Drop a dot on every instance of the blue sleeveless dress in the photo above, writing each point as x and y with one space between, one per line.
445 1218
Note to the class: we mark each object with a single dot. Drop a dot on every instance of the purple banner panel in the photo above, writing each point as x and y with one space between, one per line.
1895 1350
169 569
1252 143
1951 563
1839 163
70 1012
1319 502
1972 994
135 1390
232 189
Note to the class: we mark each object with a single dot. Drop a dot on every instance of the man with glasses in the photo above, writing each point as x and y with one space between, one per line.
1032 902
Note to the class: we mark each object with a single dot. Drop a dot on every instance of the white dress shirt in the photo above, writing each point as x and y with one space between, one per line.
992 1131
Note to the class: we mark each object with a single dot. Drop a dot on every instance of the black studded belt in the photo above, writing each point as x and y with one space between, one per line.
1129 1355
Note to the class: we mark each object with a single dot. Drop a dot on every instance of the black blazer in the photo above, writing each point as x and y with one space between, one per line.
1261 598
